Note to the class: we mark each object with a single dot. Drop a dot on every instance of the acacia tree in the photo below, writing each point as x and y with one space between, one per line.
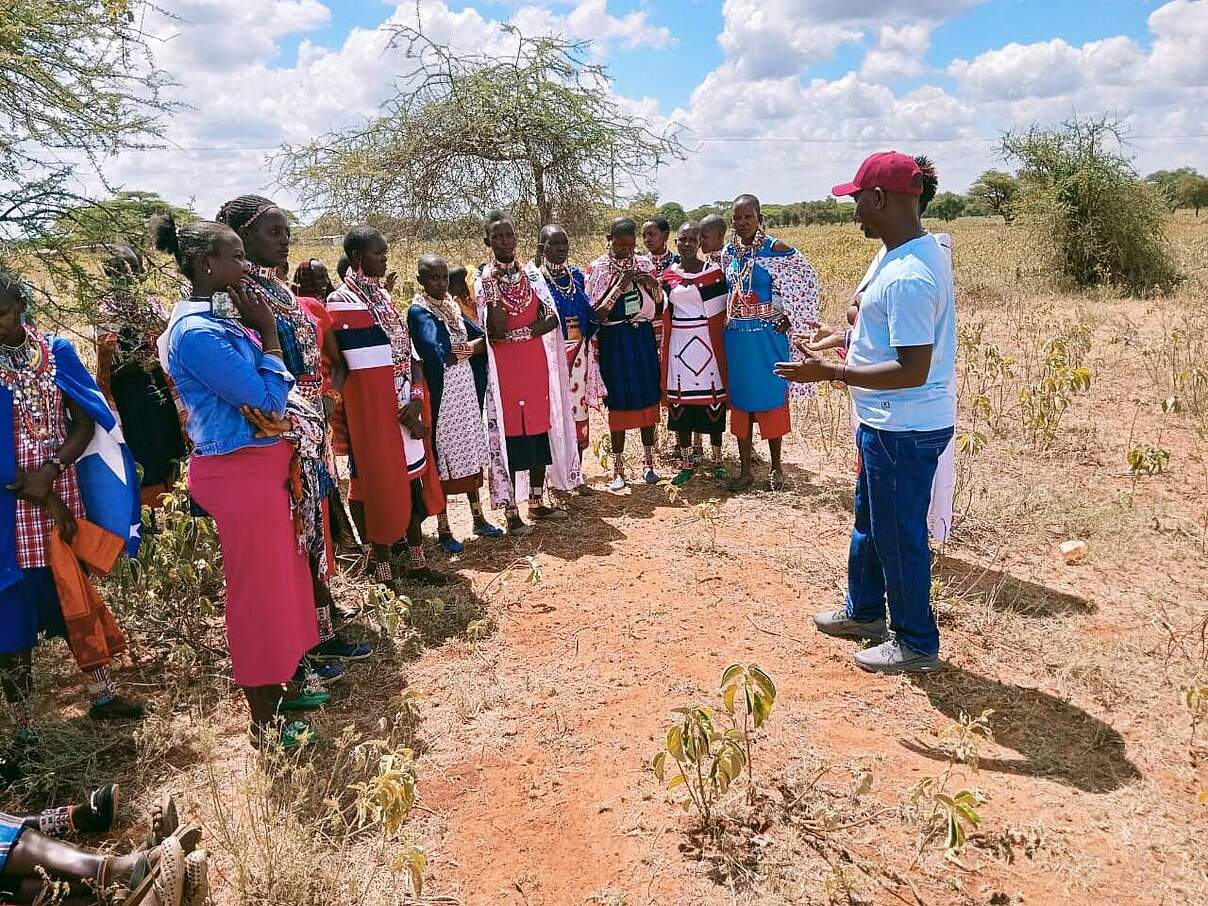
1087 210
536 132
996 190
77 84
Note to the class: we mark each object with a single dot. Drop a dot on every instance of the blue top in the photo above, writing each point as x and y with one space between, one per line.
760 282
572 302
431 340
217 368
910 301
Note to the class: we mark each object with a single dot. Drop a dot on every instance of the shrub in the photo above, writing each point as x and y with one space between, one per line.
1087 210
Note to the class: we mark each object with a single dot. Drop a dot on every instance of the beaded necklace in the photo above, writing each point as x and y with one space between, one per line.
449 312
377 300
509 284
28 372
300 341
744 255
561 281
663 261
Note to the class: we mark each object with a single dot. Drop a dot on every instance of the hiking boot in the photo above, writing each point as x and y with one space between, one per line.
894 657
840 625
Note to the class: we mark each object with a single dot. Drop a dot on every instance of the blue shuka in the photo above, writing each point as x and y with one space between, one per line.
107 474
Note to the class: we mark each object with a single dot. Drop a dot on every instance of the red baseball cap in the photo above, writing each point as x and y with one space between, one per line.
890 171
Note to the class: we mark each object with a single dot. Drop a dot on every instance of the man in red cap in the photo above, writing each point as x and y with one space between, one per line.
900 368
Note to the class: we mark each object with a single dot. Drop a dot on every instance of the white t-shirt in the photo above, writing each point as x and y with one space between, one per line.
910 300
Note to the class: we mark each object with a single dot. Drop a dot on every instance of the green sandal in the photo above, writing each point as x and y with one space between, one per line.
290 737
307 699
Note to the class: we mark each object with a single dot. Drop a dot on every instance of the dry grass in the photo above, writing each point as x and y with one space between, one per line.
1084 665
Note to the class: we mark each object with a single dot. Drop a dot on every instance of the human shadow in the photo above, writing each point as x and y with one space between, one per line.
1004 591
805 490
586 532
1055 739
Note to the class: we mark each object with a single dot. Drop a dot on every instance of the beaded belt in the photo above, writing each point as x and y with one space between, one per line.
764 310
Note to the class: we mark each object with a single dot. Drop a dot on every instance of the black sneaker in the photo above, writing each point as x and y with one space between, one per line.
117 708
97 814
336 649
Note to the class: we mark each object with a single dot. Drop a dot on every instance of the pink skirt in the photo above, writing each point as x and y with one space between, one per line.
270 610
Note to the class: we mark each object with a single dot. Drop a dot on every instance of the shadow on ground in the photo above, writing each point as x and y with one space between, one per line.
1055 739
1005 592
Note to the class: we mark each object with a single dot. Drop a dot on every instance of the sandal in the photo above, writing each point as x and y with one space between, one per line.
165 821
197 878
163 883
296 734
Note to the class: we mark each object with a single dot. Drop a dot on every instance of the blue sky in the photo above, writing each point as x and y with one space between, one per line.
797 91
671 73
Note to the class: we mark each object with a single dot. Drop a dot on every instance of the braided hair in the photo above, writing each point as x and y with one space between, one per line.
931 182
188 243
12 285
239 213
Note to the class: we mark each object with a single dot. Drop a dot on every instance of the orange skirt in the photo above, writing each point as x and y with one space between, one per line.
627 419
773 424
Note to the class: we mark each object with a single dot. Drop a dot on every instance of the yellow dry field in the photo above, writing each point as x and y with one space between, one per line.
1061 757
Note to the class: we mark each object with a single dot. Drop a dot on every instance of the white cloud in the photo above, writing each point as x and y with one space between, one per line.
1021 71
785 133
225 55
898 54
1180 51
774 38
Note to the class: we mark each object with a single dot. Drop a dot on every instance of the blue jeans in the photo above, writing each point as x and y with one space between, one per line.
889 556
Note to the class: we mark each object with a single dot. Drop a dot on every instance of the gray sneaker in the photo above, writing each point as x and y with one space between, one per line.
894 657
838 623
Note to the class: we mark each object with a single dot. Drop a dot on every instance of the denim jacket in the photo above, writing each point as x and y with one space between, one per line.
217 368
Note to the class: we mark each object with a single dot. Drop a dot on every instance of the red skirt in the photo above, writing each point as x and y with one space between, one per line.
270 610
381 482
626 419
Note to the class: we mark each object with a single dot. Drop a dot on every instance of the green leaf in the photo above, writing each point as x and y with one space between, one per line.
675 742
728 698
763 682
730 673
660 761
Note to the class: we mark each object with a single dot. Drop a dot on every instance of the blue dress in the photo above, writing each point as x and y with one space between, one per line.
753 345
629 359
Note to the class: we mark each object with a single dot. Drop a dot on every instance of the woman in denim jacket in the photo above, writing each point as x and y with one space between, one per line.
224 355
